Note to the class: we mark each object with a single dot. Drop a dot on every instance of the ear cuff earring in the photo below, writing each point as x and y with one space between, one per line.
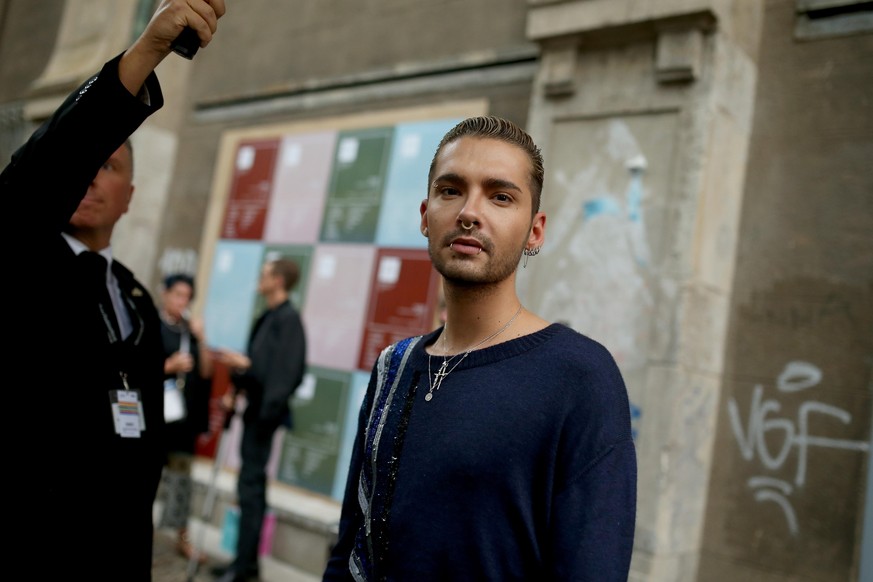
528 253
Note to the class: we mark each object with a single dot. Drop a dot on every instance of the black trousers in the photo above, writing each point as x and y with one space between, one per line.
252 496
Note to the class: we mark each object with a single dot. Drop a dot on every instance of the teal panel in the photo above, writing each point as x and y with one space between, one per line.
412 149
232 293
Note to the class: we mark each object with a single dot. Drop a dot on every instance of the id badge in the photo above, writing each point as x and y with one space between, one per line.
127 413
174 401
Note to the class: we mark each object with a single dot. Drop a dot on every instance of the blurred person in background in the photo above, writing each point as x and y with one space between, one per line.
188 371
267 375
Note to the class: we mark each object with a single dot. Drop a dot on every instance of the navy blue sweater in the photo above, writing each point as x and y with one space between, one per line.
521 467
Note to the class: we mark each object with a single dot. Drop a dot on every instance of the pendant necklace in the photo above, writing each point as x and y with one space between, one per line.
442 372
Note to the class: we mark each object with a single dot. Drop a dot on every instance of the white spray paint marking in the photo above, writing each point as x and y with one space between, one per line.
795 377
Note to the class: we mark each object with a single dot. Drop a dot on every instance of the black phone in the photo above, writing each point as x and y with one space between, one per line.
186 44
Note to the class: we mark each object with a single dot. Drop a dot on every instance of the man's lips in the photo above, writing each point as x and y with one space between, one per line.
89 201
466 246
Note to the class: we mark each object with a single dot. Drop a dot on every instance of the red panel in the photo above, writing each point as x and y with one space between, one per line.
250 190
403 300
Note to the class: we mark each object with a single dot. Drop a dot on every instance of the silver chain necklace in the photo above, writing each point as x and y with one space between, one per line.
441 373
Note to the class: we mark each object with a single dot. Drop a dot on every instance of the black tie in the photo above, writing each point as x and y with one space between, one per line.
94 268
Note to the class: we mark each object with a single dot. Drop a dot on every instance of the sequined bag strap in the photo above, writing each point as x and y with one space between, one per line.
388 414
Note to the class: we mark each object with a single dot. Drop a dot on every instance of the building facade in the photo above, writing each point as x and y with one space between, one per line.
710 205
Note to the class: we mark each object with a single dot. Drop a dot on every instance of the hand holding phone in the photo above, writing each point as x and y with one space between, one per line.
186 44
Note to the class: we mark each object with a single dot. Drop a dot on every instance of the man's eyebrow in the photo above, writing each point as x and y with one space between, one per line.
490 183
500 184
451 178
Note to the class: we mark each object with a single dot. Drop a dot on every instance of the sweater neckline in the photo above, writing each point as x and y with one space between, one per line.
488 355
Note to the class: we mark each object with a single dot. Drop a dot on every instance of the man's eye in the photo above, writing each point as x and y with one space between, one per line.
501 197
449 191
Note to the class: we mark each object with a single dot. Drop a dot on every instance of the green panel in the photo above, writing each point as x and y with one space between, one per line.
355 196
310 451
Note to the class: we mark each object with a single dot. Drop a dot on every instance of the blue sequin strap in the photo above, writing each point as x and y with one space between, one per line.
390 406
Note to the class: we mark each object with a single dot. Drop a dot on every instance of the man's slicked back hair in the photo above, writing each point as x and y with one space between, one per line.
492 127
288 270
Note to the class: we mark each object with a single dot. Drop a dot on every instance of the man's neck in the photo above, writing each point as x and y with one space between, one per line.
276 298
170 319
93 240
79 246
474 314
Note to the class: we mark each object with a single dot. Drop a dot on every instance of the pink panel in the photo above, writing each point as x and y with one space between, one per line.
300 186
336 305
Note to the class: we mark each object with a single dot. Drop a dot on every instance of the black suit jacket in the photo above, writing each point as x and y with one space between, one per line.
277 349
81 496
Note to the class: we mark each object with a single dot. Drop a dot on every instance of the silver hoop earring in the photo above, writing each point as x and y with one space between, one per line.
465 227
528 253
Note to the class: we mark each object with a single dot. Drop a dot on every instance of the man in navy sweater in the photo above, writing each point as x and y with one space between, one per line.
497 447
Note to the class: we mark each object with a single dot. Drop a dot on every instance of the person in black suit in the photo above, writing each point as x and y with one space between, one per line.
268 377
85 427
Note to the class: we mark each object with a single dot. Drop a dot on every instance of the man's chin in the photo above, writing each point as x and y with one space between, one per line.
83 218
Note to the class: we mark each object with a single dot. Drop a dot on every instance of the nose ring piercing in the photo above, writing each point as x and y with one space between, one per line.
465 226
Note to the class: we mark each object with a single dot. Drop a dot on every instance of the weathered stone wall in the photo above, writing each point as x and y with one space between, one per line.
787 492
710 218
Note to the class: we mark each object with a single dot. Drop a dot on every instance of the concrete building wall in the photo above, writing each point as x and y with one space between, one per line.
711 220
787 491
26 43
645 113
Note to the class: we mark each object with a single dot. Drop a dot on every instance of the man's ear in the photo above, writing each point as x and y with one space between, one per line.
537 236
423 210
129 198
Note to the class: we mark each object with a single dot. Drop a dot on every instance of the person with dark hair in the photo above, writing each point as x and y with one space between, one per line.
498 446
187 387
88 449
268 377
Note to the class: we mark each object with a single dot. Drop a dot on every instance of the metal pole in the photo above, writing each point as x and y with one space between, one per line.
209 501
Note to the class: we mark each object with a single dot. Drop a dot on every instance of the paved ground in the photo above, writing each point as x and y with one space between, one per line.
168 565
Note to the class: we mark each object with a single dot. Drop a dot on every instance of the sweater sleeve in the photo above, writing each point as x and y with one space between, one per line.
595 518
595 496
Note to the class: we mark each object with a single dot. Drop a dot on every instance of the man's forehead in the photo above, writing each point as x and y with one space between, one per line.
122 153
481 145
493 155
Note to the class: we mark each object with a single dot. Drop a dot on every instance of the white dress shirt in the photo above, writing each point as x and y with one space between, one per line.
121 314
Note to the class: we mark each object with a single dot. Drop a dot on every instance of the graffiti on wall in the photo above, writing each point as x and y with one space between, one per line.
176 260
636 413
763 421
